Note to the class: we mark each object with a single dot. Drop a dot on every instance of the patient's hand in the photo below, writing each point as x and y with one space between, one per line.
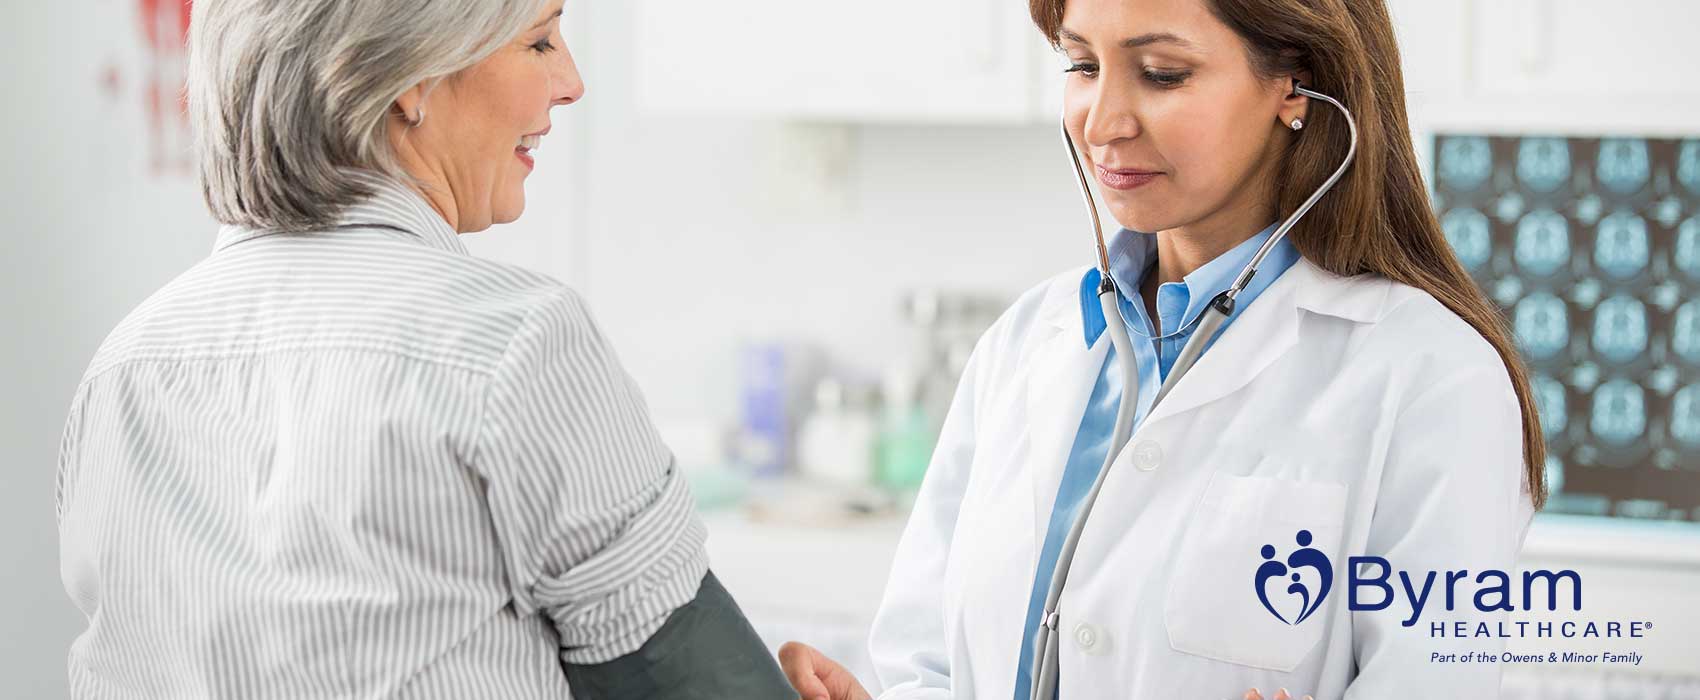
816 677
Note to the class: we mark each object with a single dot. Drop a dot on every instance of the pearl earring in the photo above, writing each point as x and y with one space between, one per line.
1297 124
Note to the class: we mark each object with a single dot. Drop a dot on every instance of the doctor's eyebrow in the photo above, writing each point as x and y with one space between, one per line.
1142 40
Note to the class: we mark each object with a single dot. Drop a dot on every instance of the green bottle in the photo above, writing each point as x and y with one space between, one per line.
907 435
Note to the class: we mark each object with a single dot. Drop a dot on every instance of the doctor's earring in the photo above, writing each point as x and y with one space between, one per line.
1297 124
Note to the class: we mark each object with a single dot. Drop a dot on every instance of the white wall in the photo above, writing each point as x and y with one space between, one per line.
89 234
73 266
697 232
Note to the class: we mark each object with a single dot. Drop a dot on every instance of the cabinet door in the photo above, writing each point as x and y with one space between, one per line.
1434 40
869 60
1570 65
1587 48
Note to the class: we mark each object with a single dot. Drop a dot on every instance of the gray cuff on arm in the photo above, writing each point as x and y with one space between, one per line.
705 651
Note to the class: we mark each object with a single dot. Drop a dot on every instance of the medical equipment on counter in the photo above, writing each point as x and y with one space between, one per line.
1206 325
836 442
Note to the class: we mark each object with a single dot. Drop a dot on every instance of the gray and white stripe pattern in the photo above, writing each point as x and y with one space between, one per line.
361 463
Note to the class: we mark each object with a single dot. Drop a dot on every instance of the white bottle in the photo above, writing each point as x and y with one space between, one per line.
836 442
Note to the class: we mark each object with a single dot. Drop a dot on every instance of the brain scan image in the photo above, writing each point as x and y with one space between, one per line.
1590 247
1620 246
1542 324
1620 328
1685 332
1549 401
1685 415
1543 242
1622 165
1688 165
1619 414
1468 232
1687 253
1465 162
1543 164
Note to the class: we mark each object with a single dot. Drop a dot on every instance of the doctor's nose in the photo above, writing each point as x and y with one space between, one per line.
1111 116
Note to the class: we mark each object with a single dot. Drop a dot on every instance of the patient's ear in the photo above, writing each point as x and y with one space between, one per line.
408 105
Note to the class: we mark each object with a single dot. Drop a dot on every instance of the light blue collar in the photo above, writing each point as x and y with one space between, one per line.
1133 254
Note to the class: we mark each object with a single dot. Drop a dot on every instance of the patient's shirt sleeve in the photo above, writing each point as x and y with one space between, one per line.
596 523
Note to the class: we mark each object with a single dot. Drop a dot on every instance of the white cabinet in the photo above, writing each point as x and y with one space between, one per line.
1434 38
959 61
1491 65
1559 66
1588 49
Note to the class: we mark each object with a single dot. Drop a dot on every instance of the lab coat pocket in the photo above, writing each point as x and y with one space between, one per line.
1255 570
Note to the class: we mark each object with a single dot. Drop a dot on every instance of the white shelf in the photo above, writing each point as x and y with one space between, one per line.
1613 541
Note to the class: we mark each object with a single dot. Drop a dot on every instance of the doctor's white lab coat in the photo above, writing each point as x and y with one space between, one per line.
1358 410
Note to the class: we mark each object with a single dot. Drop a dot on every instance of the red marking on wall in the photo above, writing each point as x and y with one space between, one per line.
164 30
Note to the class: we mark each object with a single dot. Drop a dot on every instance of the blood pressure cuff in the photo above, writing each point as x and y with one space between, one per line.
705 651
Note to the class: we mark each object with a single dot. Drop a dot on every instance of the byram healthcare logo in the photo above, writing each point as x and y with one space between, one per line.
1304 557
1292 595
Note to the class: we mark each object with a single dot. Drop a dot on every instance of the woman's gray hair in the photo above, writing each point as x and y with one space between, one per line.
285 96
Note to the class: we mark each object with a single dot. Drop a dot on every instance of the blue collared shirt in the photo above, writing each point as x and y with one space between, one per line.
1132 256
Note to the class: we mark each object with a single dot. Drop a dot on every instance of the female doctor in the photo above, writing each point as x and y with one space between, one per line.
1361 400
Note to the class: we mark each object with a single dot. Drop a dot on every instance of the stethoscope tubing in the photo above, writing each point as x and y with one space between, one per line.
1046 644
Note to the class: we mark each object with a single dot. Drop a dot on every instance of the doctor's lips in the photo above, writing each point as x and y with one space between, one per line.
1124 178
527 144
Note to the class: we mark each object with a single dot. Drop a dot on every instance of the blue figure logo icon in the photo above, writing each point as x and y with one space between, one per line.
1304 557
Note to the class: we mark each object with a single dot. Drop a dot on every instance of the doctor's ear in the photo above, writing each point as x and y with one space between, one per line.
1294 106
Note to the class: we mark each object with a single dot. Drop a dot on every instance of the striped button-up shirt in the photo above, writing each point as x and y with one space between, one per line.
361 463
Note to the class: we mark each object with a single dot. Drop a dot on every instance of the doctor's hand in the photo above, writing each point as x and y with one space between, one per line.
816 677
1279 695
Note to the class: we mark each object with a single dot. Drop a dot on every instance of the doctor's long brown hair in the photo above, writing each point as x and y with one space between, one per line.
1378 217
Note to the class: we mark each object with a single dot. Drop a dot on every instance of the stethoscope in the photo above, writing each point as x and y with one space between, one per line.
1206 325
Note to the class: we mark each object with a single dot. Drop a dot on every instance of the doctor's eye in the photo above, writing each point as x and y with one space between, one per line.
543 45
1167 79
1090 70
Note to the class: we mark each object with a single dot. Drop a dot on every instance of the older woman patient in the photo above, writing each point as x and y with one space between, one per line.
340 457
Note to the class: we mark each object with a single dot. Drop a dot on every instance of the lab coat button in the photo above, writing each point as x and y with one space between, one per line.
1085 636
1092 639
1147 455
